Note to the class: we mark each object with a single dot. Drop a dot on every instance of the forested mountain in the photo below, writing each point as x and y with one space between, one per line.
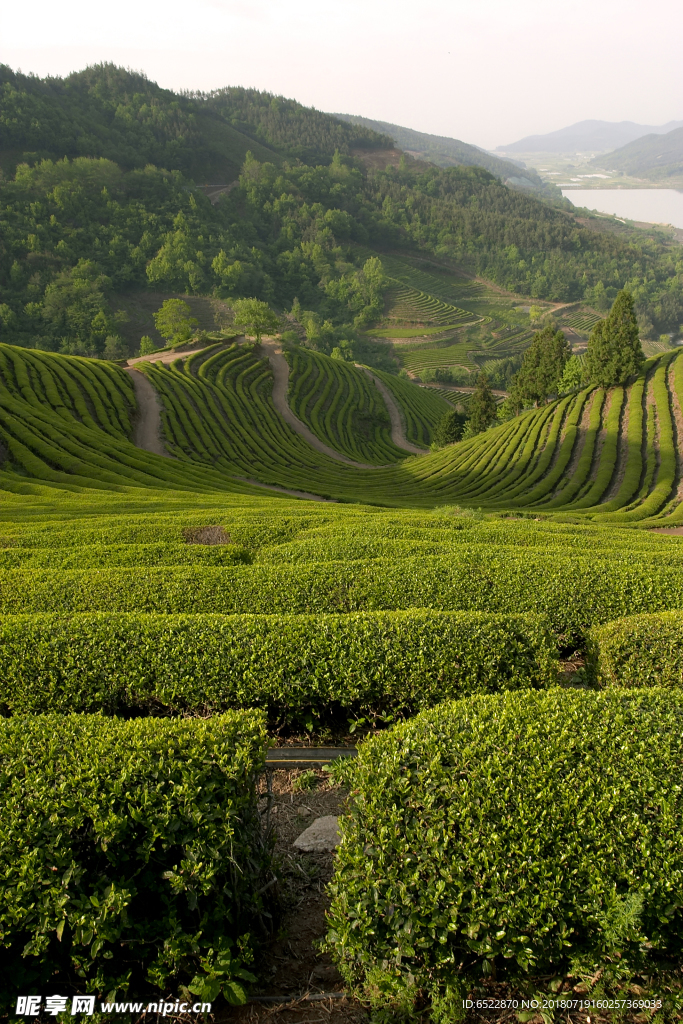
289 127
585 136
446 152
653 156
109 112
74 232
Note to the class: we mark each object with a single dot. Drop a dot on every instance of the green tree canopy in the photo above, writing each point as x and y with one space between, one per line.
482 407
573 377
449 428
147 346
255 317
115 347
614 352
542 367
174 321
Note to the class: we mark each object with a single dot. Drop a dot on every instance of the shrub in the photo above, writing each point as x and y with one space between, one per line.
525 832
292 665
574 592
640 650
128 850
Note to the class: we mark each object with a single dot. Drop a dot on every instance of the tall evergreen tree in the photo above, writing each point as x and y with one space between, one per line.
542 368
449 428
482 408
614 352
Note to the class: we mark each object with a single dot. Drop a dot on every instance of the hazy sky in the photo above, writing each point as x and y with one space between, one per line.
485 71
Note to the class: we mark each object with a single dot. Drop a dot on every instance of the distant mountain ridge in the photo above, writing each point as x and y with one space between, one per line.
446 152
652 156
584 136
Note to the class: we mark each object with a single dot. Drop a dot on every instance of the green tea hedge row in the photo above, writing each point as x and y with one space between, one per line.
128 850
316 549
109 555
512 834
318 536
574 592
640 650
292 665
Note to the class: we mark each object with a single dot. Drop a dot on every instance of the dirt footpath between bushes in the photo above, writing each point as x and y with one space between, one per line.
147 429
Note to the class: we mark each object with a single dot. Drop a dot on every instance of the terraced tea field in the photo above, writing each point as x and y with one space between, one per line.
162 619
583 321
67 422
342 407
409 307
469 321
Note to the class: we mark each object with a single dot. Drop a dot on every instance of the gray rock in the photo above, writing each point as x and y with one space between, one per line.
320 837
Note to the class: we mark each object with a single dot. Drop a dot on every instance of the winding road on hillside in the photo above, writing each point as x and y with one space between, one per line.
147 432
280 368
398 435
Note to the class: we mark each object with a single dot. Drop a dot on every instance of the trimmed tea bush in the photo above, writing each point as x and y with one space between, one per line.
640 650
512 833
574 592
367 662
128 850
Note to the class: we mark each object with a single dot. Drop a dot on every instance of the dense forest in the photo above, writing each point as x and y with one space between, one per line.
110 112
104 200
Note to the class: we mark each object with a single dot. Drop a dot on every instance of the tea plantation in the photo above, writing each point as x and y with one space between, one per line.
511 821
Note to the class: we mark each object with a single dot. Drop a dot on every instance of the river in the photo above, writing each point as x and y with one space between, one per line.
653 205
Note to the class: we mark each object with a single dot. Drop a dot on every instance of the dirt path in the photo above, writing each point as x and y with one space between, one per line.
166 357
280 368
285 490
398 435
147 432
463 388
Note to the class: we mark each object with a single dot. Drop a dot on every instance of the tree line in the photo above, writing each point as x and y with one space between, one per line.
614 356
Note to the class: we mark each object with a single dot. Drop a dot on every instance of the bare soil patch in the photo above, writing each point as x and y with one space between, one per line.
171 355
291 966
206 535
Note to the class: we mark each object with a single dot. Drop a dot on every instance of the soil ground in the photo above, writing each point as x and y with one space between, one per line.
397 431
291 964
147 430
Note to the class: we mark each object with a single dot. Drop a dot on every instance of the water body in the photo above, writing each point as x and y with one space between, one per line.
653 205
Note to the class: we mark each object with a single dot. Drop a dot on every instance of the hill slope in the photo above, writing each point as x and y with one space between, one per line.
585 136
106 111
67 423
652 156
447 152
